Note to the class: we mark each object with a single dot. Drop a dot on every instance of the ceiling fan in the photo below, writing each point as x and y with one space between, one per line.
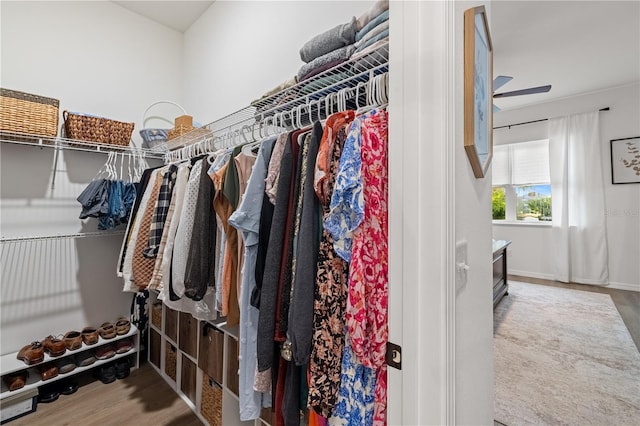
501 80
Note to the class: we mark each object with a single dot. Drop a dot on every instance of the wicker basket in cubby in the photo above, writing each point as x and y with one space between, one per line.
156 315
211 404
170 360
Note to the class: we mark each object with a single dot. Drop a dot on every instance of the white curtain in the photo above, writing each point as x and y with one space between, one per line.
577 189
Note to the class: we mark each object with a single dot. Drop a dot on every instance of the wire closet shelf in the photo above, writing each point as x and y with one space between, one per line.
75 145
357 83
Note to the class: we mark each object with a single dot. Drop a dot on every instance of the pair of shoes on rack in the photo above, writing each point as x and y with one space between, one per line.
32 353
54 346
17 380
108 351
89 335
85 358
66 365
108 330
51 392
73 340
48 371
108 373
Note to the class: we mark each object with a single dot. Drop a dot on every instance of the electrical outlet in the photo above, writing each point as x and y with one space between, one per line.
461 264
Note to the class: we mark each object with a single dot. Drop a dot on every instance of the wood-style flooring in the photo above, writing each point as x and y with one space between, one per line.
627 302
143 398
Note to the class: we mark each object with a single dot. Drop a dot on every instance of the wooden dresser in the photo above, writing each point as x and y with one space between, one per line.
500 284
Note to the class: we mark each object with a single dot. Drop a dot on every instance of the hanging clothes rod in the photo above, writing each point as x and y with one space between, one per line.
534 121
365 95
60 236
278 107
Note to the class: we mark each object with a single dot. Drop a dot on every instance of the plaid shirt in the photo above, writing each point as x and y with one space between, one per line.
160 213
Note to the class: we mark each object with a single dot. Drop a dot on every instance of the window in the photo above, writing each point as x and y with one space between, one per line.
521 184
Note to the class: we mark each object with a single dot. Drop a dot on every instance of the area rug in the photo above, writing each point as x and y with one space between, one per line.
563 357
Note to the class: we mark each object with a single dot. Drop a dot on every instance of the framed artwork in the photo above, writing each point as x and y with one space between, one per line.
478 91
625 160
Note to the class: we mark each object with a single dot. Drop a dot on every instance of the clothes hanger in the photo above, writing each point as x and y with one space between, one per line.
121 177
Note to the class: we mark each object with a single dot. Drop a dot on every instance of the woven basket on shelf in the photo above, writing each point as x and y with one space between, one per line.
25 113
211 407
97 129
182 125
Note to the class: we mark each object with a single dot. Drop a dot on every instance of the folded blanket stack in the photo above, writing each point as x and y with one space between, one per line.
353 40
373 30
328 49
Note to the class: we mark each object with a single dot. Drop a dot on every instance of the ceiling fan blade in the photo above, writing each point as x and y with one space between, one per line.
500 81
529 91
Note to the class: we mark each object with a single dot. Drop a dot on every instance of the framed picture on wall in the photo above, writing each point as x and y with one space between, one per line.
625 160
478 91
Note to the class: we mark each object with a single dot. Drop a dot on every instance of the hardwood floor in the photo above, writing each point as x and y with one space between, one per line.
627 302
143 398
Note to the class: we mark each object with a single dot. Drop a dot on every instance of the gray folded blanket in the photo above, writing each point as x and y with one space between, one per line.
330 40
334 57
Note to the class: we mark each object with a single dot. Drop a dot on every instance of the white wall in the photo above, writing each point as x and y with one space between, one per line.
94 57
474 301
531 253
238 50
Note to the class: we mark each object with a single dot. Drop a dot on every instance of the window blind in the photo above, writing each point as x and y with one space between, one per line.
525 163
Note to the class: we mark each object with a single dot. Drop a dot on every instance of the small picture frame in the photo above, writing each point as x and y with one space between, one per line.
478 91
625 160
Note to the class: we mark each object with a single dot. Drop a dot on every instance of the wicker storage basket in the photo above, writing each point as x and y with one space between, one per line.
97 129
29 114
211 404
184 125
156 315
170 361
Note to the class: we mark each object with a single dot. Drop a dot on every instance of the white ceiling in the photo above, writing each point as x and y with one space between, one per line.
576 46
178 15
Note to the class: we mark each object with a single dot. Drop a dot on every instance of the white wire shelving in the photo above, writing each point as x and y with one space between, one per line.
304 102
75 145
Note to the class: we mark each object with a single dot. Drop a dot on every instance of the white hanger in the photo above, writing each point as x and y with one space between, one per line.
121 175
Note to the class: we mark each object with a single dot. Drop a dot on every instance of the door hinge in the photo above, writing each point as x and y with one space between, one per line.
394 355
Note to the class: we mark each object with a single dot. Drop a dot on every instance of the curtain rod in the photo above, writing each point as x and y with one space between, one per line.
535 121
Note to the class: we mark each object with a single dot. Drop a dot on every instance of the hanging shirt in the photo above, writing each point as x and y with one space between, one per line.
142 267
244 166
246 219
270 283
355 404
140 190
331 279
300 328
200 262
271 183
347 201
161 210
369 269
129 244
185 230
161 271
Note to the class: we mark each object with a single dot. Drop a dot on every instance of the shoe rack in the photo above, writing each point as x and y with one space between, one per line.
199 360
10 364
